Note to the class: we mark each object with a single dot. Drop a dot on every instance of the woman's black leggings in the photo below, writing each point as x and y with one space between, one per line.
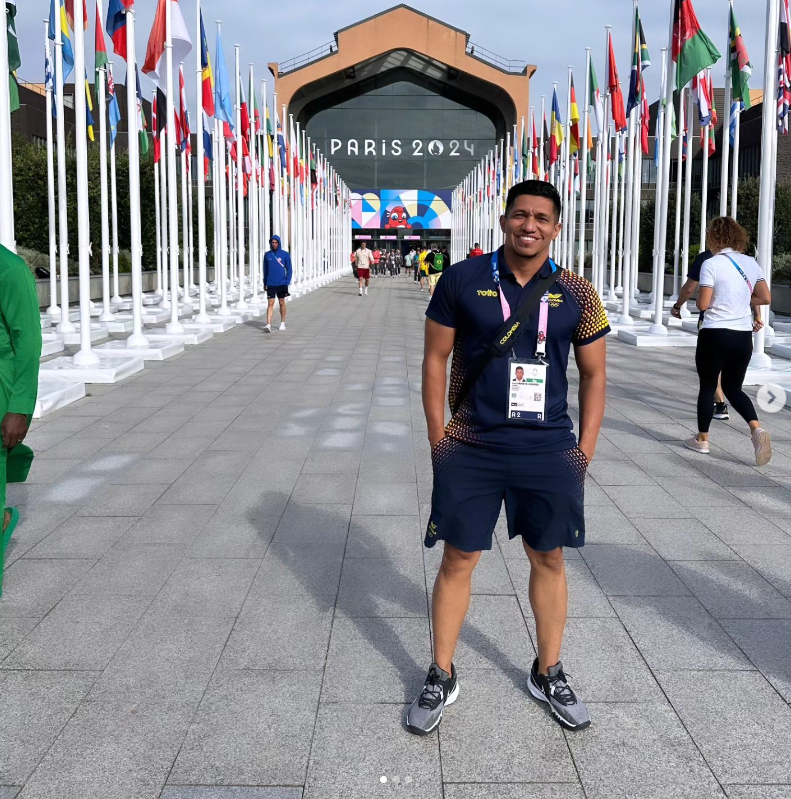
726 352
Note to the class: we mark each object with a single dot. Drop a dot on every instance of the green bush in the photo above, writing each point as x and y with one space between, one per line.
781 268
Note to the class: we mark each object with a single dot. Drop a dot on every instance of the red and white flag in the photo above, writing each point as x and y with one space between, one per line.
154 65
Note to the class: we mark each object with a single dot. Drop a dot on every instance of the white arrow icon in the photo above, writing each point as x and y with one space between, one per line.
771 398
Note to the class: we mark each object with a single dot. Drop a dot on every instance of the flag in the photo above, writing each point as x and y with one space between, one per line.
270 137
693 51
208 149
116 24
645 56
525 154
207 77
616 96
256 112
574 120
736 106
595 101
536 168
154 65
223 107
741 68
281 144
784 69
700 96
70 13
556 134
158 122
640 61
49 79
685 142
67 51
88 110
100 49
14 60
184 117
114 110
645 119
245 114
141 117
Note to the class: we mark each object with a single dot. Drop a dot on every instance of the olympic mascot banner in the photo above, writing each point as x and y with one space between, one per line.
412 209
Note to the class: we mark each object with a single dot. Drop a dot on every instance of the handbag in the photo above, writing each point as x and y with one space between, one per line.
508 336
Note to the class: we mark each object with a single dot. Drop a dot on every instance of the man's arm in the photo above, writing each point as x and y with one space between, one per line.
592 366
19 307
687 290
289 268
437 349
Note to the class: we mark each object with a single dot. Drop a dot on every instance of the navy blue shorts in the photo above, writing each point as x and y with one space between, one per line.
543 494
281 292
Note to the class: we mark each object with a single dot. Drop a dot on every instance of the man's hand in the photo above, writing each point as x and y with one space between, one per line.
13 429
587 451
675 312
435 436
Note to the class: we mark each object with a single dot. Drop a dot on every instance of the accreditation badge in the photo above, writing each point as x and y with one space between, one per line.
527 390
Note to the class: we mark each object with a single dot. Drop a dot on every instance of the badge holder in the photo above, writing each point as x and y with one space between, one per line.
527 377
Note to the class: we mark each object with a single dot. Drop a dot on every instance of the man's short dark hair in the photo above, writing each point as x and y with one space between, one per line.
533 188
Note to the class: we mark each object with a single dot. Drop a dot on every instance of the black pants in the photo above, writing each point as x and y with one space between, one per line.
726 352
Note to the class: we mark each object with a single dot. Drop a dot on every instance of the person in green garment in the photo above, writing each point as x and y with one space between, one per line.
20 351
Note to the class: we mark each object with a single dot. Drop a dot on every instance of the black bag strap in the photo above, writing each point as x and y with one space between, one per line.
508 336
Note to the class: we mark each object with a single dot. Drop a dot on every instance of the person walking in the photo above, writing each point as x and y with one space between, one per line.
20 352
399 260
721 411
408 262
377 254
435 261
510 440
476 251
424 251
277 279
364 259
732 291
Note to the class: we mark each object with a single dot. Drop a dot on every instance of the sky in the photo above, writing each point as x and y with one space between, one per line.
552 34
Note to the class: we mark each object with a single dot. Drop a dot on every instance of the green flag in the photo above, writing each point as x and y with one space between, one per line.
693 51
741 68
100 49
14 60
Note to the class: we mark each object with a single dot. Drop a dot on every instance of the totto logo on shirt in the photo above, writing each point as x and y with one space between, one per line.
488 293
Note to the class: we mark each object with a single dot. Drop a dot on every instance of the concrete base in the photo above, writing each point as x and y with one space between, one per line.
46 320
642 338
616 328
189 339
216 326
121 325
112 367
781 350
778 372
98 332
158 352
55 394
51 344
238 317
153 316
781 327
690 325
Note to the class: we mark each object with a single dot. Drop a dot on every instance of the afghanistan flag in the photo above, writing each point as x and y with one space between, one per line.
693 51
14 60
741 68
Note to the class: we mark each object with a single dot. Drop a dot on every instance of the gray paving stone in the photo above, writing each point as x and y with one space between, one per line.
608 525
678 633
767 643
646 502
243 714
319 524
122 500
741 737
7 792
399 500
397 651
169 524
118 749
684 539
35 524
354 747
13 631
229 792
154 471
741 527
33 587
773 562
759 792
281 633
632 571
79 634
165 659
36 706
733 590
206 588
83 537
700 492
503 790
483 734
383 587
232 534
298 570
384 537
648 751
333 462
618 473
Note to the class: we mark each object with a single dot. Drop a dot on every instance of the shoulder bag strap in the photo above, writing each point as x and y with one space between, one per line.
741 272
508 336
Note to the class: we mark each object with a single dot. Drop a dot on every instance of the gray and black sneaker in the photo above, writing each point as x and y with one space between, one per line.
441 689
721 411
554 689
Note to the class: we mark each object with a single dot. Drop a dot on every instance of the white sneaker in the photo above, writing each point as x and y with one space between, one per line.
282 326
698 446
366 291
762 443
361 292
268 328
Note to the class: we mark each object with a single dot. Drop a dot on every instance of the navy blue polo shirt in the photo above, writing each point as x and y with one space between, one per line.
467 300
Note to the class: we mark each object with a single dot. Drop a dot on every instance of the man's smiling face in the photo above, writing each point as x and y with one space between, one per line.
531 225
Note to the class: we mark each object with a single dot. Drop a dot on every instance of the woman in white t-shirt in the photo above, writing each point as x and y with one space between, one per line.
732 291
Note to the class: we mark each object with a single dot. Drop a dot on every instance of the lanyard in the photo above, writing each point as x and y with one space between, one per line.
543 311
741 272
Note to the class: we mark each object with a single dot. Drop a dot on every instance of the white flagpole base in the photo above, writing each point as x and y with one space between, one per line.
56 394
158 352
109 368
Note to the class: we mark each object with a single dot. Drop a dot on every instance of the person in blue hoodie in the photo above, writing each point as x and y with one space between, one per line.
277 279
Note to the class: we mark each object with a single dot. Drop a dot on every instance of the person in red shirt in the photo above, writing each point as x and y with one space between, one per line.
476 251
377 256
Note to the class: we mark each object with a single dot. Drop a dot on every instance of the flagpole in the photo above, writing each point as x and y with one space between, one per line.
163 213
157 210
568 188
682 122
541 164
657 327
7 237
184 209
606 196
54 309
760 360
65 325
202 318
241 303
687 197
221 271
174 326
267 187
116 298
704 186
737 112
726 141
253 194
637 210
106 315
584 168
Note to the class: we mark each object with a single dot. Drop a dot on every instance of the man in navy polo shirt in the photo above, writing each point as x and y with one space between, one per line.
483 456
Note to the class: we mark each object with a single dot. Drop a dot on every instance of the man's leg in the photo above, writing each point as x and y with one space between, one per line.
283 309
451 600
270 309
549 601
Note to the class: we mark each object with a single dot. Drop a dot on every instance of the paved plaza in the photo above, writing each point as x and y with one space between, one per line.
219 589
